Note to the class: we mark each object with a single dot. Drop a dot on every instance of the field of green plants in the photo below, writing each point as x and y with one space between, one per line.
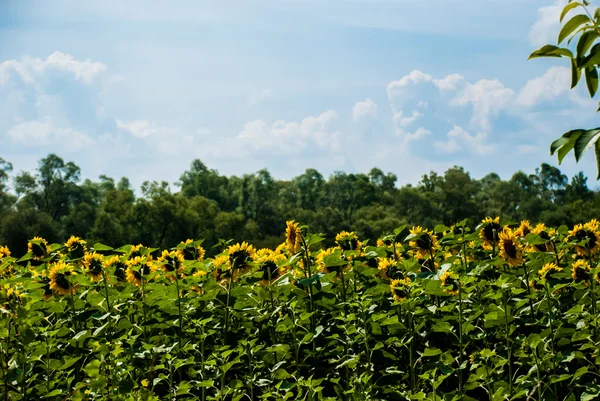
498 311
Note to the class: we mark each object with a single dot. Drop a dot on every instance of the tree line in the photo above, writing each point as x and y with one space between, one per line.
55 203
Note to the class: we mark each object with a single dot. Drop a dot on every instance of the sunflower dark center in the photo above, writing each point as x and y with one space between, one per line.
37 250
490 232
62 282
510 248
583 235
120 270
582 274
428 265
400 292
269 268
394 273
349 244
526 231
189 254
425 242
95 267
450 282
171 264
238 258
372 263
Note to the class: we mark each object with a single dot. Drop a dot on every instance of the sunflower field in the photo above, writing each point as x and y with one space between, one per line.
499 311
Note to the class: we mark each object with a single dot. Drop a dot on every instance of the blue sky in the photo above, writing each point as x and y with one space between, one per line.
141 88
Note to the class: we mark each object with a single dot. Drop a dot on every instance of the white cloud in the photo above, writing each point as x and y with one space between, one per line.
450 83
546 27
554 83
415 77
459 139
166 139
364 109
259 97
405 121
30 69
488 98
292 137
39 133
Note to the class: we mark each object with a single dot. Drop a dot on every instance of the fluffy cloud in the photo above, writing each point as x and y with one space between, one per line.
40 133
366 108
458 139
29 69
555 82
488 98
165 139
291 137
546 27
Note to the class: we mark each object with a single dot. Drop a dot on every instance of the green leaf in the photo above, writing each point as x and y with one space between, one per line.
568 8
551 51
432 352
593 58
597 151
580 372
591 79
575 73
101 247
585 138
442 327
571 26
565 143
586 40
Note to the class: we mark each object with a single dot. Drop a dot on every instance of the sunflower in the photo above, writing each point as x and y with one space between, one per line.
189 252
523 229
119 266
281 248
240 255
449 280
424 241
400 289
59 278
137 269
472 358
348 241
541 231
134 252
38 247
510 249
93 263
221 267
267 260
548 270
581 271
489 232
293 237
589 234
4 252
428 265
320 261
535 285
76 246
388 269
170 262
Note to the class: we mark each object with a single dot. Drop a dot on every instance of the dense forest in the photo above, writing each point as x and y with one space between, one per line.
54 202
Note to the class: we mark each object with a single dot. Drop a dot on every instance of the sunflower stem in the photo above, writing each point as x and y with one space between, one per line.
548 298
507 338
227 307
460 340
109 377
526 275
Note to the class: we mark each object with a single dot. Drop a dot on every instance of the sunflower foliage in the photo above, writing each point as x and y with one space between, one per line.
495 311
580 36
